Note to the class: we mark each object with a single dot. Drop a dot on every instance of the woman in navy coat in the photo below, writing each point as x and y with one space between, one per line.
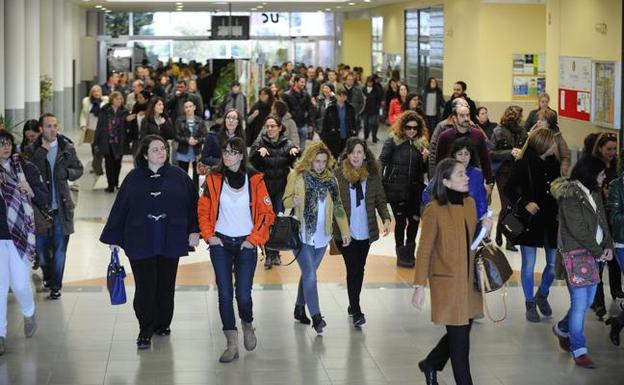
154 220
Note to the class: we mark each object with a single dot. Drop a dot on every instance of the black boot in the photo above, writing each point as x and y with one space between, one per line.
300 315
431 375
510 247
318 323
542 304
410 251
616 328
268 262
531 312
403 258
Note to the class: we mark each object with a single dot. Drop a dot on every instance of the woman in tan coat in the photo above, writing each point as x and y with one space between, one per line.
445 260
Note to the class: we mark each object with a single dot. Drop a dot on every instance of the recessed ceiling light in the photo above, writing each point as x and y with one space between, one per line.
328 9
338 7
260 6
107 11
98 6
351 3
367 1
179 3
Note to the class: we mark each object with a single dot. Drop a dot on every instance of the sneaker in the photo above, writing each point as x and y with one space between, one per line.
30 326
300 315
55 294
358 320
584 361
143 343
564 339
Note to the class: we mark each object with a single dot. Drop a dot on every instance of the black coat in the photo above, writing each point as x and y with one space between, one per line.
149 127
115 140
448 109
276 165
331 127
211 150
153 215
530 181
403 169
300 107
439 101
254 125
183 135
373 100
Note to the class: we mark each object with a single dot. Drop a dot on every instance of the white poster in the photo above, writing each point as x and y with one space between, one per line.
575 73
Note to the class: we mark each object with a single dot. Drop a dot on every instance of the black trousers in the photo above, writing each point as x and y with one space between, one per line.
354 257
615 282
113 168
185 165
454 345
406 226
97 161
154 279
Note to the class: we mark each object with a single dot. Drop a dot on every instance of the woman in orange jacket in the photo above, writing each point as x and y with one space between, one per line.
235 214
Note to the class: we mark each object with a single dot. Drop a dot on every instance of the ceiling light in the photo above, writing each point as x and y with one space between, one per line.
107 11
328 9
351 3
179 3
260 6
367 1
98 6
338 7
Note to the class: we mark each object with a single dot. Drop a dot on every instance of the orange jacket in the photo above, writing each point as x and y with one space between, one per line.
394 111
262 214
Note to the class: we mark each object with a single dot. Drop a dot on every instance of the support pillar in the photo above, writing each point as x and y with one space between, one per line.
58 68
14 61
32 106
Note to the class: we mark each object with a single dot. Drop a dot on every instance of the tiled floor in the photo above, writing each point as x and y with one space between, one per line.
82 339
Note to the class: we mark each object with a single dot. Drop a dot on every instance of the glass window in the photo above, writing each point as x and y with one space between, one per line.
270 24
270 51
117 23
326 53
377 44
312 24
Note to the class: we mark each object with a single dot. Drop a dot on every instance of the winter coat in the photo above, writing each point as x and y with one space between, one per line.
260 206
321 107
67 167
315 88
182 135
300 107
175 105
276 165
374 198
439 101
255 124
290 128
237 102
443 259
578 221
355 97
476 188
504 140
211 150
373 100
331 127
104 142
488 129
153 215
149 127
87 119
530 181
433 142
402 169
394 111
615 209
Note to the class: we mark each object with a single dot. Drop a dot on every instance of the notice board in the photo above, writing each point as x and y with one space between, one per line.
575 82
528 76
606 93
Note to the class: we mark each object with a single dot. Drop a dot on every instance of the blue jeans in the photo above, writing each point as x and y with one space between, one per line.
619 257
573 323
371 124
51 251
309 260
303 135
529 254
244 262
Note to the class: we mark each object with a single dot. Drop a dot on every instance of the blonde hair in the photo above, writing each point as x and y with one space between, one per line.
114 95
95 88
540 140
310 153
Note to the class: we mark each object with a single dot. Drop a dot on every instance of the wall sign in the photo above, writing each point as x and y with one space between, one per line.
575 82
528 76
230 27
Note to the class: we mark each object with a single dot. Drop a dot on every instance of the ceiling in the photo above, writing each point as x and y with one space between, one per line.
237 5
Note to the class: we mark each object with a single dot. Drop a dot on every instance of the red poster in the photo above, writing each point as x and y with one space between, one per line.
575 104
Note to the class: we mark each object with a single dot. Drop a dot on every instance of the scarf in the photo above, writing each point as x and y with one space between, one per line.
19 211
95 106
355 177
317 186
236 180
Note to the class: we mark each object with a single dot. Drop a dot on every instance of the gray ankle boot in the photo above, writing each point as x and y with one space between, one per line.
30 326
249 337
231 352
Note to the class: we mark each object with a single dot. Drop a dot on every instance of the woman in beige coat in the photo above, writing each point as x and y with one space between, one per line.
88 122
445 260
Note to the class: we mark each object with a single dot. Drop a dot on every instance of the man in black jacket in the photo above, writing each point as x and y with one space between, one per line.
459 91
339 123
313 86
300 108
175 105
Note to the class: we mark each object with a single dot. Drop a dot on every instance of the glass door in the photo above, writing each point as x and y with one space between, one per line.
305 51
424 46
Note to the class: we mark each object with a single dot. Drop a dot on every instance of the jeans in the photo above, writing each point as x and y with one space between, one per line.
303 135
573 323
244 262
619 257
355 259
309 260
371 124
154 294
529 254
455 344
51 251
432 122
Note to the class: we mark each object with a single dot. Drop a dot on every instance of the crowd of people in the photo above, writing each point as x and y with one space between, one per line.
299 148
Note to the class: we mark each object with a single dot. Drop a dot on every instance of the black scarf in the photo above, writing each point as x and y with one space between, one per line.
359 192
236 180
95 106
455 197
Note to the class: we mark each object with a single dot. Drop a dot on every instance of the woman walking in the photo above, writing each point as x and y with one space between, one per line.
89 115
156 121
235 214
257 114
433 103
446 262
21 188
110 137
582 225
312 191
536 167
154 220
362 194
190 135
403 165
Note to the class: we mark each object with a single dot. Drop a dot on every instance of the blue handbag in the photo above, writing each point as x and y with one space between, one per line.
115 280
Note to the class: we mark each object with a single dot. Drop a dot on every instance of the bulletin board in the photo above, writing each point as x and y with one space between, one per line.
528 76
606 93
575 86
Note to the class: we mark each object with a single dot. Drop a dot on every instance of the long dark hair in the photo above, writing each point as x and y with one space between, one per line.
268 92
237 144
140 156
30 125
586 171
428 85
238 132
459 145
370 161
443 170
149 112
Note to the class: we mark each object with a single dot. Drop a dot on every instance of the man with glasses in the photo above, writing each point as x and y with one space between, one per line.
57 161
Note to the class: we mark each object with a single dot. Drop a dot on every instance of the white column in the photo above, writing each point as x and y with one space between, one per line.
58 71
2 59
32 106
46 46
14 59
68 77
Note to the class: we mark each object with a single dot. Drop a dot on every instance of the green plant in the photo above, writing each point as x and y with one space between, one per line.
45 88
226 76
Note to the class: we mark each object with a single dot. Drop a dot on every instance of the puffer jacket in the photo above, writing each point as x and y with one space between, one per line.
504 140
403 169
276 165
615 209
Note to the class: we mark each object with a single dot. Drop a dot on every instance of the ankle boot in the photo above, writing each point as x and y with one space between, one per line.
318 323
531 312
616 328
231 351
403 258
410 250
431 375
542 304
300 315
249 336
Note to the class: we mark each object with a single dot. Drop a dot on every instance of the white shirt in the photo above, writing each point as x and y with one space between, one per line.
599 231
319 238
234 213
358 222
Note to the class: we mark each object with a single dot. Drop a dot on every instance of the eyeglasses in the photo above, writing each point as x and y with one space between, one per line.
6 143
232 118
271 126
411 127
231 152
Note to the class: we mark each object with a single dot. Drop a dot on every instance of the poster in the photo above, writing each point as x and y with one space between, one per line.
528 75
529 64
575 73
606 93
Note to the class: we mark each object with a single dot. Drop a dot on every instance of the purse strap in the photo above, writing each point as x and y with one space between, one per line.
484 283
263 251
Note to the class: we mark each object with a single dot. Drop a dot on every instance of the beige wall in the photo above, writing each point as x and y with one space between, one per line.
356 44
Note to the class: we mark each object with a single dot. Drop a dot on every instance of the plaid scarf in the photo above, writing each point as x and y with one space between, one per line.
317 187
20 216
